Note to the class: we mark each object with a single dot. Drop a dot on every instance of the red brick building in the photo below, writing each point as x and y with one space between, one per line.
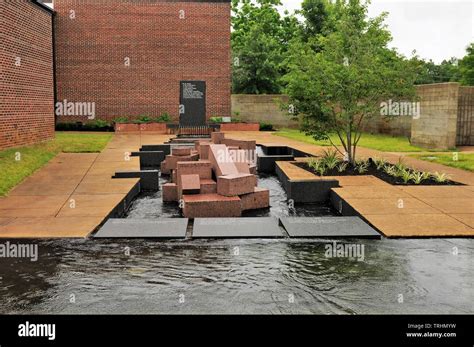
27 77
129 56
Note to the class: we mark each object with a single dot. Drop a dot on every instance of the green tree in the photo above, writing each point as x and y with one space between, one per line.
466 67
339 88
260 39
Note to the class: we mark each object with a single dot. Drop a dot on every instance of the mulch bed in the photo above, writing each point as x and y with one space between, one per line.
372 170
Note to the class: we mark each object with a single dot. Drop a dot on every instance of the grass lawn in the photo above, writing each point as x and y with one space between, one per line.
465 160
31 158
383 143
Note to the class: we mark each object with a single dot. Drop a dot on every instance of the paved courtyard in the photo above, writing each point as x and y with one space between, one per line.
74 193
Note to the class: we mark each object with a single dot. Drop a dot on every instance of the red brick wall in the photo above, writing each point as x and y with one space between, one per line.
163 49
26 91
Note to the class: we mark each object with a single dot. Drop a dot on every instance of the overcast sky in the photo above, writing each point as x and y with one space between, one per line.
436 29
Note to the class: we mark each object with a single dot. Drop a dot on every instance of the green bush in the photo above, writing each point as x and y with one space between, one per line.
215 120
235 120
164 118
266 126
121 119
142 119
96 125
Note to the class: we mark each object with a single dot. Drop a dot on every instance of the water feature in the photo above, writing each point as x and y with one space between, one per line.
150 205
239 275
260 279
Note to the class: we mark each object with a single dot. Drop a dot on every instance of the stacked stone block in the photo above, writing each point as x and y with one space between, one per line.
214 179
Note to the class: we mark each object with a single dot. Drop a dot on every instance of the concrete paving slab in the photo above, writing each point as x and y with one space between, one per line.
466 218
50 227
451 205
33 201
439 191
370 192
390 206
143 228
242 227
95 205
332 227
419 225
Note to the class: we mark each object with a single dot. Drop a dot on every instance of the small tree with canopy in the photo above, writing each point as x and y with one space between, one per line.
338 88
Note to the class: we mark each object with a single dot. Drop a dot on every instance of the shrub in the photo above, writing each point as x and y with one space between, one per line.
417 177
121 119
390 170
405 175
266 126
215 120
330 159
96 125
379 163
342 166
164 118
440 177
235 120
362 166
142 119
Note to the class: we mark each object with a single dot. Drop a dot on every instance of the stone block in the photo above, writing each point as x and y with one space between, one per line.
211 205
260 198
172 160
170 192
243 227
181 151
203 168
149 159
189 184
221 162
217 137
242 167
208 186
165 148
149 179
253 169
204 150
236 184
164 168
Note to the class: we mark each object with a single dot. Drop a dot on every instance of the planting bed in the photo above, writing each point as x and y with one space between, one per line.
374 171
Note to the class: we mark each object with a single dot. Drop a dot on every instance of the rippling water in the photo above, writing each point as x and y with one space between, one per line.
239 276
261 278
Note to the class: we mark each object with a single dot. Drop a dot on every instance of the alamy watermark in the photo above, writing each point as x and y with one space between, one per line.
345 250
19 250
400 108
69 108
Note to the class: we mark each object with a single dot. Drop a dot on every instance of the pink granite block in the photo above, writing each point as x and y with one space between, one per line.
172 160
242 144
217 137
242 167
204 150
170 192
221 161
203 168
164 168
208 186
260 198
189 184
174 176
181 151
236 184
211 205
